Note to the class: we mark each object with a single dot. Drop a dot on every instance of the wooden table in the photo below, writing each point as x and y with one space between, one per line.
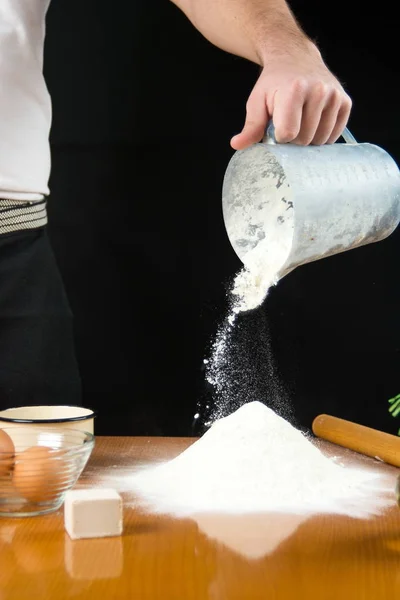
242 558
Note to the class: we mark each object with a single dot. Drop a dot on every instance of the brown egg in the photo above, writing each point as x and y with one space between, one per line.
6 453
38 475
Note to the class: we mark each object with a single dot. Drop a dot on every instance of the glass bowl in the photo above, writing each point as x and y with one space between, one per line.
55 416
45 464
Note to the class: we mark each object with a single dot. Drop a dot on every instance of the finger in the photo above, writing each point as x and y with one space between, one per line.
257 118
312 112
342 120
328 119
288 110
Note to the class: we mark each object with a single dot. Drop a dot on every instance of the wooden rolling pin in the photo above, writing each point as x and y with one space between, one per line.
359 438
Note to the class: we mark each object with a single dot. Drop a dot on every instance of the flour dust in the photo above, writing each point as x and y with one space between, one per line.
241 366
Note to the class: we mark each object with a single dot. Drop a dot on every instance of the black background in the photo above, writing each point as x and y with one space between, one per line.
143 110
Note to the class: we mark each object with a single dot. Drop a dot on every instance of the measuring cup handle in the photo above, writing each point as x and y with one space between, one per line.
270 138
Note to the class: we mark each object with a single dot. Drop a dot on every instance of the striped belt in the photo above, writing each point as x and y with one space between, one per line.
16 215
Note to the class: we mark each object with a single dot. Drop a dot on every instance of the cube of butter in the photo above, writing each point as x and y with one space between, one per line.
90 513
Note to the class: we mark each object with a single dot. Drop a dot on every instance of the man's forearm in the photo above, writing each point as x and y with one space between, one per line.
253 29
295 89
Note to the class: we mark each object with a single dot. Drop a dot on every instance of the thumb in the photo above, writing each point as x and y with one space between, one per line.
257 118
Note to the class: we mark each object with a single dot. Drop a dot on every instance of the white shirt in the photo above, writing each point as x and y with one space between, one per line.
25 106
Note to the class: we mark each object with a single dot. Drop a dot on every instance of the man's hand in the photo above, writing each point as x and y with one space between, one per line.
295 89
305 101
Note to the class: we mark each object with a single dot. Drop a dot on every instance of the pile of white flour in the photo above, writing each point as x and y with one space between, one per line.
255 461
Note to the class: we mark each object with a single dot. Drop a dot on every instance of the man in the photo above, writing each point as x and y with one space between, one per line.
295 89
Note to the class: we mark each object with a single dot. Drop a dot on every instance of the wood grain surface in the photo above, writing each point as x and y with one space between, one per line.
267 557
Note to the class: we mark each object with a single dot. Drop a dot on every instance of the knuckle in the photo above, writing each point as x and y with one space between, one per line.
287 133
337 97
319 140
304 139
309 139
320 90
249 124
347 102
299 86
